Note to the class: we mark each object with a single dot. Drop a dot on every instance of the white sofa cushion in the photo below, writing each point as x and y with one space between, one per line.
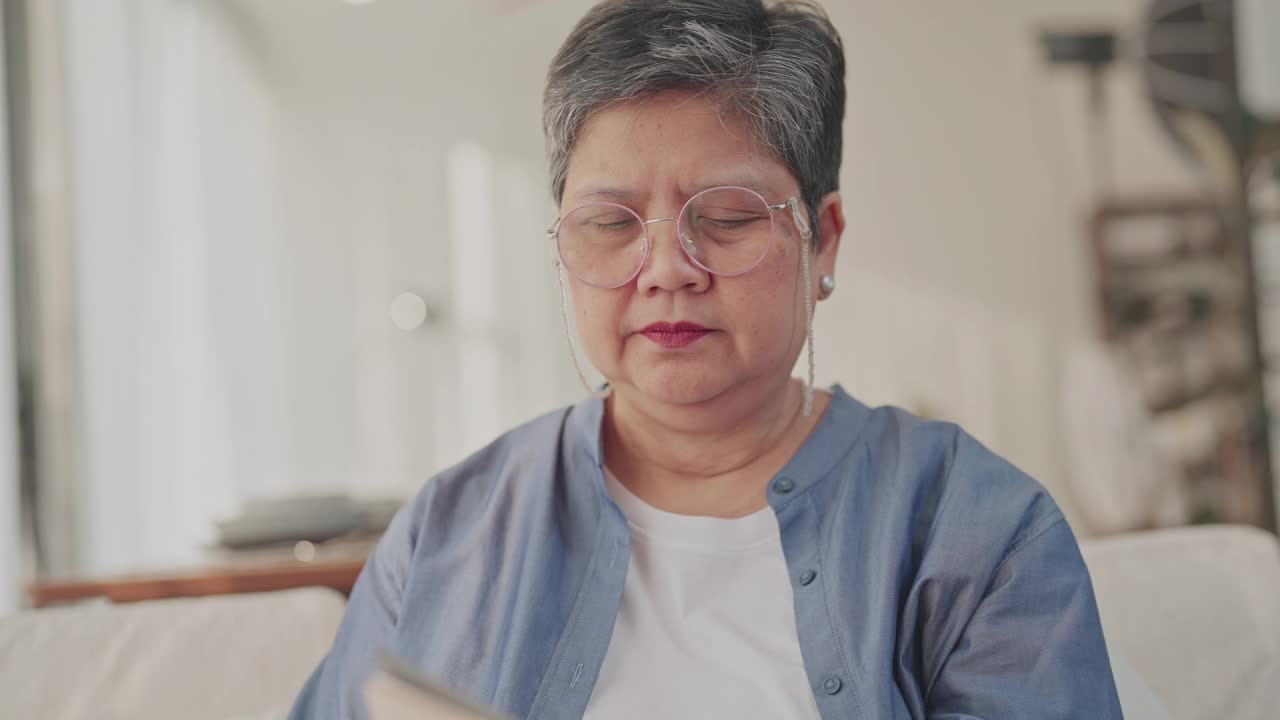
1137 700
1196 611
214 658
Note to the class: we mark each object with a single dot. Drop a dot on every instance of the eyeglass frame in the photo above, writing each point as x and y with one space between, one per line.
797 217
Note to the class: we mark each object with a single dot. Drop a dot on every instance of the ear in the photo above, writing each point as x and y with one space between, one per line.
830 228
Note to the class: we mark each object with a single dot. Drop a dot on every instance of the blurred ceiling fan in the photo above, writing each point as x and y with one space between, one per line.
1212 71
1213 76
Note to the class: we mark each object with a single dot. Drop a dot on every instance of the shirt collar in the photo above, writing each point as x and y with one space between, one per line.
831 440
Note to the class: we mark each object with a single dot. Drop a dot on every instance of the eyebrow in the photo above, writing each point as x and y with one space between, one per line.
604 192
608 193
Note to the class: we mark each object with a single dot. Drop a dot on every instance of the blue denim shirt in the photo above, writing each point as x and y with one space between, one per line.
948 584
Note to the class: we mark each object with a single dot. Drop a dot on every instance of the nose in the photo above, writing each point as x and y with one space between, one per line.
668 266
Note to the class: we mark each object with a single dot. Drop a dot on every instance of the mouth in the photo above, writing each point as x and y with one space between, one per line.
675 335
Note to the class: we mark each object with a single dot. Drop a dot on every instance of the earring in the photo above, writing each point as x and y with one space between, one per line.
827 284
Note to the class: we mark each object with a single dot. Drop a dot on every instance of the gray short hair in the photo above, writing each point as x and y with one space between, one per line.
779 66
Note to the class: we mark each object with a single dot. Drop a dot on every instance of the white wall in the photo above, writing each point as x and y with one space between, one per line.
963 274
405 164
249 198
172 147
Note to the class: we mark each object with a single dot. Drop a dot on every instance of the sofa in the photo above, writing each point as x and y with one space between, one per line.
1192 617
1196 613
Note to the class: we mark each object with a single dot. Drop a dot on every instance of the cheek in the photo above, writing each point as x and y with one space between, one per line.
763 305
597 314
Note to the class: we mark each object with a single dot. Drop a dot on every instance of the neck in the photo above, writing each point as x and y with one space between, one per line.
714 458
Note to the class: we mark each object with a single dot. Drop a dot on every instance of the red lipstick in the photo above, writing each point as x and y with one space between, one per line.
674 335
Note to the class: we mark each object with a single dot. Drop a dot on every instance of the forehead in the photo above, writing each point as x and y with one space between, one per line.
672 141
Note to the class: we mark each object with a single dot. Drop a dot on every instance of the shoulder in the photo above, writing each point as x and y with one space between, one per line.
521 461
532 441
956 493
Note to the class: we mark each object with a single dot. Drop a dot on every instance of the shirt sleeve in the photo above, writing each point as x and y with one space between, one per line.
333 691
1033 647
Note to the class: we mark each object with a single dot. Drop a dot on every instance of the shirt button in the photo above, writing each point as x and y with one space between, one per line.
784 485
832 685
807 577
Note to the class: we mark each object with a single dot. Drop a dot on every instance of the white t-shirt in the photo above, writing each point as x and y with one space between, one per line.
707 625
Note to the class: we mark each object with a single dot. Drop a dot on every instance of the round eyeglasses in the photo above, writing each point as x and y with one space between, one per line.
724 230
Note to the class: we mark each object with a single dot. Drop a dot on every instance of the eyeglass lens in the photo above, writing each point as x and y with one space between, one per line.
726 231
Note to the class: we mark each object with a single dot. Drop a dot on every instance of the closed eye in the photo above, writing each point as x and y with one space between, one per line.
731 222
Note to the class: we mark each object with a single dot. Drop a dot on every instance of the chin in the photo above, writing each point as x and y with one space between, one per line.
681 385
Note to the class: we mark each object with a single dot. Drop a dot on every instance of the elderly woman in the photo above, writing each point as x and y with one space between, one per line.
708 537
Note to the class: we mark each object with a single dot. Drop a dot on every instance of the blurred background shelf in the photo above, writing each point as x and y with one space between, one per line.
335 564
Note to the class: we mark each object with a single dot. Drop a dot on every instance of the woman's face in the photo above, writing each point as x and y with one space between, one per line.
652 156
